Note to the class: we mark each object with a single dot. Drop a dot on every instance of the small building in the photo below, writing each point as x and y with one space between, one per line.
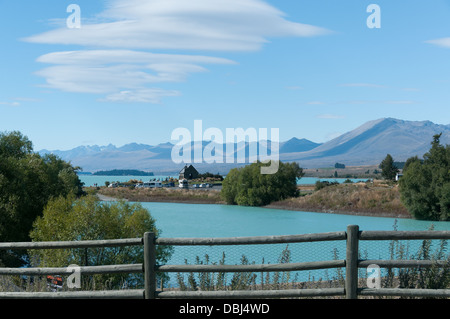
398 176
188 172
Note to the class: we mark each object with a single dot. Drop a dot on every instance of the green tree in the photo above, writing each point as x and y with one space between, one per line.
27 182
410 161
86 218
388 168
14 145
248 187
425 185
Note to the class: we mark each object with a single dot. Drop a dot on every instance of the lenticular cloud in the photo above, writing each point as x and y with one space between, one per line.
220 25
114 59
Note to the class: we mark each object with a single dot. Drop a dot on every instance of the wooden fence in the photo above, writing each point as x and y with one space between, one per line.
149 268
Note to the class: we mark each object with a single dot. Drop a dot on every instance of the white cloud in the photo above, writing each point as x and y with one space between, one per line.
16 101
142 96
399 102
411 89
94 57
368 85
221 25
330 116
113 60
10 103
112 71
26 99
315 103
442 42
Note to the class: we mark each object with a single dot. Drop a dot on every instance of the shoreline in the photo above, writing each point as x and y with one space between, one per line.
339 212
288 204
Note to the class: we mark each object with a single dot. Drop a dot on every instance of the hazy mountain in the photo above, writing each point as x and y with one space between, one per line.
372 141
367 144
297 145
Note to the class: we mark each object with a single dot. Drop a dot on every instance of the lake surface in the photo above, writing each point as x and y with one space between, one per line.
91 180
204 220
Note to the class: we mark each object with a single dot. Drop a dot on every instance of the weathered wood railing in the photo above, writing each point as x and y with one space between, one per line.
149 268
85 270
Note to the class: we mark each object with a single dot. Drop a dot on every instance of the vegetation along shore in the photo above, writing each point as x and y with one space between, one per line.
42 199
372 198
421 191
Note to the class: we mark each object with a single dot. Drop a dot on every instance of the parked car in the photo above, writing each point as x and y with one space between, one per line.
153 184
183 183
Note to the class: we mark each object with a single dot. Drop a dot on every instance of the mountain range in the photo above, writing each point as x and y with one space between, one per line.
367 144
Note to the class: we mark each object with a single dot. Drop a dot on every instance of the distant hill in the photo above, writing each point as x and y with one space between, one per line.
123 172
371 142
297 145
367 144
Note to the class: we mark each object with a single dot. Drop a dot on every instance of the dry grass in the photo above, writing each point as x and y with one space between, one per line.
198 196
372 199
349 171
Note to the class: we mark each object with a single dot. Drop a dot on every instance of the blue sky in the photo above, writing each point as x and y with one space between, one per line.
136 70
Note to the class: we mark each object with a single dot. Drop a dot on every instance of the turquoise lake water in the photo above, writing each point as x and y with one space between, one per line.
90 180
203 220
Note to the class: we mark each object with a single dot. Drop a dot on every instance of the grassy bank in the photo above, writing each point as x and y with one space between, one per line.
171 195
364 172
370 199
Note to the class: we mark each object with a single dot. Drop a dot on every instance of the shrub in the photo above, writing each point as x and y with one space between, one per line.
67 219
247 186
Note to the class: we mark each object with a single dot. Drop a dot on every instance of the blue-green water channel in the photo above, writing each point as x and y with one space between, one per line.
203 220
91 180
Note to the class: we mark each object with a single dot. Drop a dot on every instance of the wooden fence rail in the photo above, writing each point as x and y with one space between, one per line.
149 268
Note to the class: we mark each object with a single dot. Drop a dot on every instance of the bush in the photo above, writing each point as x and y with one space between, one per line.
248 187
67 219
323 184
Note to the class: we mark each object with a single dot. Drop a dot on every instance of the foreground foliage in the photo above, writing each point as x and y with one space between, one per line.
67 219
27 181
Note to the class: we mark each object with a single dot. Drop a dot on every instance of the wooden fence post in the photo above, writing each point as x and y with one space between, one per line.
351 265
149 265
